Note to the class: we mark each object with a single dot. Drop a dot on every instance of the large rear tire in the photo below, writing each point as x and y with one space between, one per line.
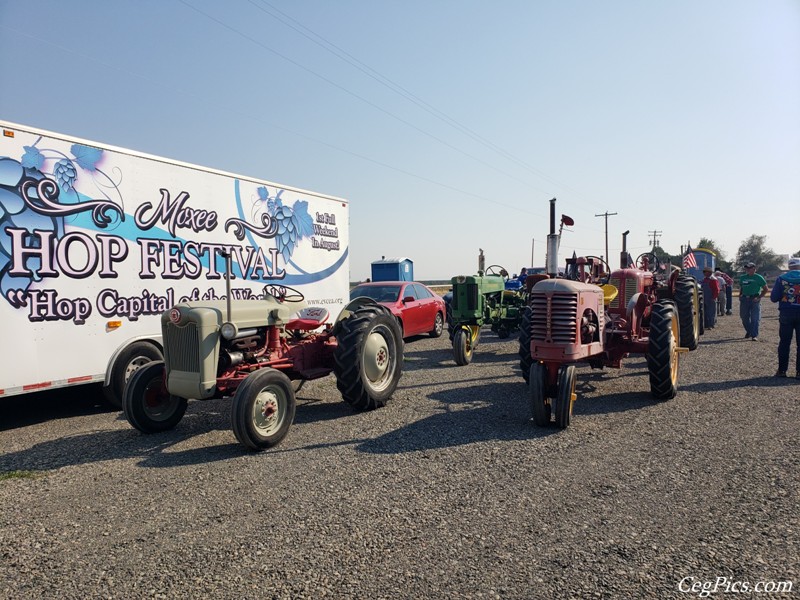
525 359
701 313
147 404
688 310
537 395
662 353
368 357
565 396
263 409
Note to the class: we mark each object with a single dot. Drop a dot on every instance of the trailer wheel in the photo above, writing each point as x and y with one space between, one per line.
128 361
369 357
147 404
688 310
565 397
263 409
438 326
525 359
464 345
537 397
662 352
502 332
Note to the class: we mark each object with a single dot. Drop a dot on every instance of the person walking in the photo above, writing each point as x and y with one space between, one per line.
728 293
710 287
752 287
786 292
721 298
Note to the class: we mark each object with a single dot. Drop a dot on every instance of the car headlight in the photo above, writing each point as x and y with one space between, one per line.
228 330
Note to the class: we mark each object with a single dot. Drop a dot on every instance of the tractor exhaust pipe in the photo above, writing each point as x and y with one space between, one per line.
623 256
551 262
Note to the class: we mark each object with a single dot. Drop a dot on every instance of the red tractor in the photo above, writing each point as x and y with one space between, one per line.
596 317
253 351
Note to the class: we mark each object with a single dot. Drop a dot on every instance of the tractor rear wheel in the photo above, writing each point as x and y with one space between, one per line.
369 357
662 353
565 397
701 313
463 346
525 359
688 310
263 409
147 404
537 395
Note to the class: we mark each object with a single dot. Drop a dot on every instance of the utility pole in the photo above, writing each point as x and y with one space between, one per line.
606 215
655 235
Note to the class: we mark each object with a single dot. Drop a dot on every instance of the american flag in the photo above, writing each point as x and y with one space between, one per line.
689 261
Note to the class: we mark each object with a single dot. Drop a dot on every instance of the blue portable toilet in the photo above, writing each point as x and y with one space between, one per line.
705 258
393 269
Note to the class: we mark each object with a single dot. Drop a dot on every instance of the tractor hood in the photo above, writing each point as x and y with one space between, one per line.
245 313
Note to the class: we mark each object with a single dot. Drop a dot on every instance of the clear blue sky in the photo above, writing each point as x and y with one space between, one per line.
447 124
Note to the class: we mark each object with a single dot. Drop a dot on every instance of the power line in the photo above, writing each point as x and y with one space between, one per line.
606 215
399 89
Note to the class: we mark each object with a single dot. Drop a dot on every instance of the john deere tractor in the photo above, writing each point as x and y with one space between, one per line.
479 300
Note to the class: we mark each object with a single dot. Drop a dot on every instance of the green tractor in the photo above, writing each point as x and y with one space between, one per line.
479 300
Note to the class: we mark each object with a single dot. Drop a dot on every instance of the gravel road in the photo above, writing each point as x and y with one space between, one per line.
447 492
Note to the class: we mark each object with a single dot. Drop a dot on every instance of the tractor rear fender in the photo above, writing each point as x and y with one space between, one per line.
352 307
637 306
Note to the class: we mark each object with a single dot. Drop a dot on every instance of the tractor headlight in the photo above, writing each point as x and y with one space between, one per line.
228 330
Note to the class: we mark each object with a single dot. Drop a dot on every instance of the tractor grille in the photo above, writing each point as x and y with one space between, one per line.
555 318
472 296
469 293
181 346
626 292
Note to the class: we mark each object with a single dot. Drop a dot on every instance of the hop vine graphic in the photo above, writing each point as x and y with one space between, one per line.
293 222
44 209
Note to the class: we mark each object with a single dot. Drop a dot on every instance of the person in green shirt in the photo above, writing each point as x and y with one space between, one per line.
752 287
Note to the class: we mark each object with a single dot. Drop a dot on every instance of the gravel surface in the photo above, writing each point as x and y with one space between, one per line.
447 492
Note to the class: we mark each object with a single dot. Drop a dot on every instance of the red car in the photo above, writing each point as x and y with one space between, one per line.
416 306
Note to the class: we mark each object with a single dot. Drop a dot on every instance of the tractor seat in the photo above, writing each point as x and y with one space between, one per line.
609 293
308 318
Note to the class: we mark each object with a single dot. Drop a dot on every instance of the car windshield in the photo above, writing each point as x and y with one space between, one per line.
379 293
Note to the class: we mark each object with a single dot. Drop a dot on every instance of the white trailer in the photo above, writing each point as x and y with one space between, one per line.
97 241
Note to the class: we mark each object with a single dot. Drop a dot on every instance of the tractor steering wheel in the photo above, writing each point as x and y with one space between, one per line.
652 264
283 293
606 267
497 270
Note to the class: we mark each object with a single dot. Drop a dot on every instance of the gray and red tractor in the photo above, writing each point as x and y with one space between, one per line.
253 350
598 317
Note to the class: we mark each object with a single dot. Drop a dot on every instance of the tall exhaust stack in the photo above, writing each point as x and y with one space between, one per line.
551 262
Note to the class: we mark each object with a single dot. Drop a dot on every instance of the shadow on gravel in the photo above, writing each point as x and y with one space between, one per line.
490 412
160 450
757 382
38 407
99 446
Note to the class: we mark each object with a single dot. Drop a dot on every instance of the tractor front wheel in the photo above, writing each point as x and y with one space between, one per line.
147 404
263 409
464 346
662 352
537 395
565 397
368 357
